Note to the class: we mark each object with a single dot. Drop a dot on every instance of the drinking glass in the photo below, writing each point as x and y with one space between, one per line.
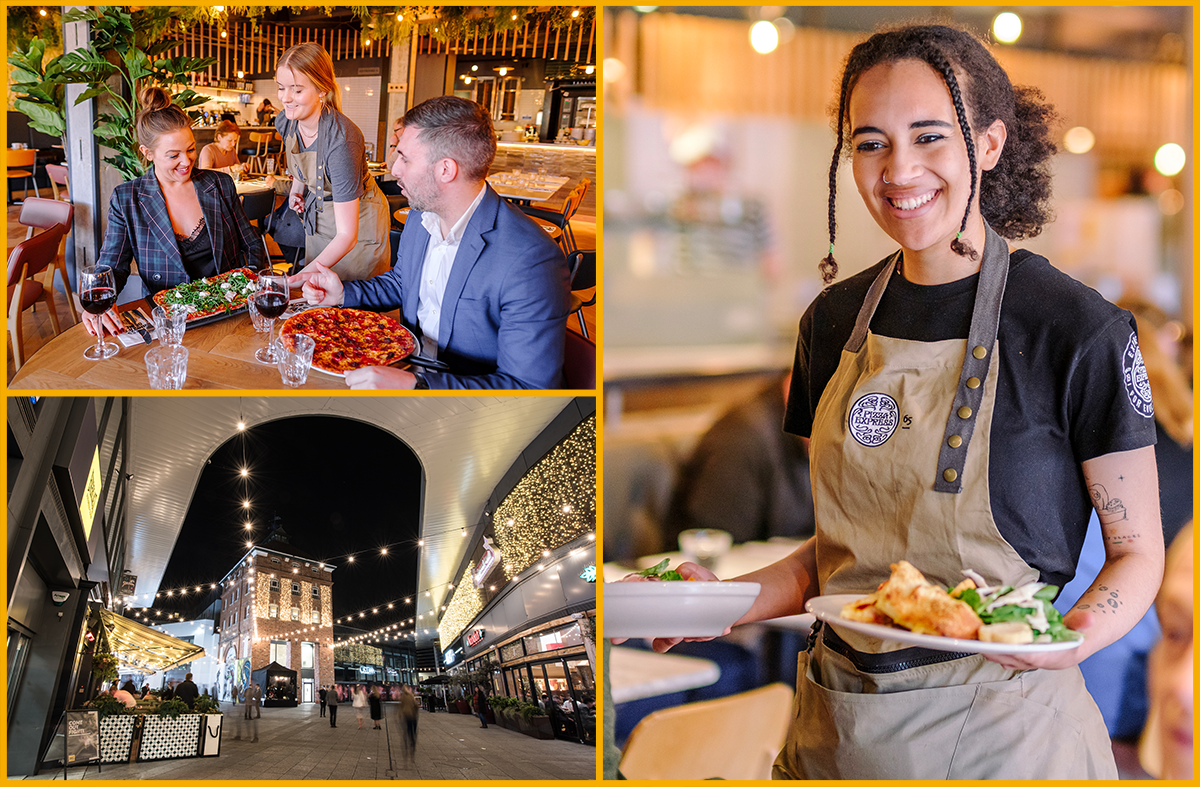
295 352
269 167
166 366
97 294
261 324
705 545
170 322
271 300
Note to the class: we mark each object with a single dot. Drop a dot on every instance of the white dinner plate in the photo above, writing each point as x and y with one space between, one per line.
675 609
829 609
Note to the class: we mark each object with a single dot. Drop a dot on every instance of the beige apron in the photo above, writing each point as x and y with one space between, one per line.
893 478
370 254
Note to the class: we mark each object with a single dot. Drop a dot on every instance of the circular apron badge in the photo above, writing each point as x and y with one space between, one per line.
873 418
1137 383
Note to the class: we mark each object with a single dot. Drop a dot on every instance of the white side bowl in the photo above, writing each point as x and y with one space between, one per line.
675 609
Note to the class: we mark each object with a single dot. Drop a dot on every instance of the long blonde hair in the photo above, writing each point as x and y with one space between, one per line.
1168 385
315 63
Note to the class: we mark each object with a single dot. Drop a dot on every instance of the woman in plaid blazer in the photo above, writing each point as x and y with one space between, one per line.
180 223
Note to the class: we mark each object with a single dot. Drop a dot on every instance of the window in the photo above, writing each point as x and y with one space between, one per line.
235 594
279 653
275 584
235 618
316 591
273 611
295 588
274 559
307 655
316 617
247 612
295 613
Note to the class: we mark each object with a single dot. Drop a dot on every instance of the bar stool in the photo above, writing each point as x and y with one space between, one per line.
18 161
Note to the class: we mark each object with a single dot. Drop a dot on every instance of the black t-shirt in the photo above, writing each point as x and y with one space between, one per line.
1070 388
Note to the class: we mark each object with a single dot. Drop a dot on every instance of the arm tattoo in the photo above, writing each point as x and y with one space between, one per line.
1109 600
1110 509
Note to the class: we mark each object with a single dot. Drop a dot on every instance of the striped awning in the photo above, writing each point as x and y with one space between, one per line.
141 648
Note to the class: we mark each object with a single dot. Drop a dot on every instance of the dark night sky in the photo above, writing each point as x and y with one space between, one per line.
339 486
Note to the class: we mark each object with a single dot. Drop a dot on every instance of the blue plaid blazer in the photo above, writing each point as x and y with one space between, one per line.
139 228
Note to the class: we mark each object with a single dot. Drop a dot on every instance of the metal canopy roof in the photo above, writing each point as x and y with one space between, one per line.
464 445
143 649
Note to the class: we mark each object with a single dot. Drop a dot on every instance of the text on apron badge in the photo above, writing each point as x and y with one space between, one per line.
873 419
1137 382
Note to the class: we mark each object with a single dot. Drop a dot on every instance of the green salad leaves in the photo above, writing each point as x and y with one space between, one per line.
1029 604
660 571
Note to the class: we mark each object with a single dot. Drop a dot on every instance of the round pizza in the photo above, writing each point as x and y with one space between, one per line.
351 338
224 293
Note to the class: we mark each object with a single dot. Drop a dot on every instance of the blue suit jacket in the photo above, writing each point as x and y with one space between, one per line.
503 322
140 228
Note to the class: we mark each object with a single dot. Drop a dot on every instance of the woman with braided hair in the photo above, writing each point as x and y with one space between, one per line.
967 405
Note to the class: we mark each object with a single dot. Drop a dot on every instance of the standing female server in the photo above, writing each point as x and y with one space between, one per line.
345 214
966 404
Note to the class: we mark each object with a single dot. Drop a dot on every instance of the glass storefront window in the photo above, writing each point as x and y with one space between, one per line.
555 639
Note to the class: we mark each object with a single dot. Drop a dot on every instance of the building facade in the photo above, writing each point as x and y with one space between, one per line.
276 607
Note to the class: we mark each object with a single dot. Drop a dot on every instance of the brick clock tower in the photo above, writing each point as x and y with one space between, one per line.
277 605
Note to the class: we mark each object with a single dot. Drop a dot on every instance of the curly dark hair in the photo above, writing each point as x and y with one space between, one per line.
1014 196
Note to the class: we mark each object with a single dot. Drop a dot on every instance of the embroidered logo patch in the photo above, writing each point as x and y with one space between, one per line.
1137 383
873 418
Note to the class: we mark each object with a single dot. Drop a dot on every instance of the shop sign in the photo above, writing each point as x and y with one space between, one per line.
89 499
589 574
491 556
128 584
474 637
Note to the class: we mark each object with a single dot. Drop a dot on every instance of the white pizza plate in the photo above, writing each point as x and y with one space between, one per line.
675 609
829 609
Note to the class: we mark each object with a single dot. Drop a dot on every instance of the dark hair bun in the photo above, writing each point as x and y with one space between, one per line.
154 99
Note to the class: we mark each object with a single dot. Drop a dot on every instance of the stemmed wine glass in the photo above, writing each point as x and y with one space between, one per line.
97 294
271 300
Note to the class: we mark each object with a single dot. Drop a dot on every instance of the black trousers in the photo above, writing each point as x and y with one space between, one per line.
322 707
333 715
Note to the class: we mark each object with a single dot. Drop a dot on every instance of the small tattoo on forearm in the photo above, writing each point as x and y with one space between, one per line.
1121 539
1110 509
1110 601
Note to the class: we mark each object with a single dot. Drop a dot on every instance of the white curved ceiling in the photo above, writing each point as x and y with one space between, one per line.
465 445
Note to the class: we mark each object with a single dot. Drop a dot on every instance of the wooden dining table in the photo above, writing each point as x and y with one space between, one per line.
220 356
526 190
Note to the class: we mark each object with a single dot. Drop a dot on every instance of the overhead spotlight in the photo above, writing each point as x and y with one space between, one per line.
245 504
245 472
241 426
249 526
350 559
421 543
567 508
575 13
383 551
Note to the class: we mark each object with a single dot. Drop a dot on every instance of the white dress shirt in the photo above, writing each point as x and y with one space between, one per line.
439 259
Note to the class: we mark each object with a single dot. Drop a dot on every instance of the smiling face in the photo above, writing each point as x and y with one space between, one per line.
227 142
300 98
910 162
415 172
1170 665
173 156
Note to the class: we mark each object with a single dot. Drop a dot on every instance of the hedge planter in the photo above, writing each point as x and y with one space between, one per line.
116 733
463 706
165 738
489 716
537 727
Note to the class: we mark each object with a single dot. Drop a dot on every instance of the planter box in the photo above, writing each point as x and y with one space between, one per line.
210 735
489 715
164 738
537 727
116 735
463 706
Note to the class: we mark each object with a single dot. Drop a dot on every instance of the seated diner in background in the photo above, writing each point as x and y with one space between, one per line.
491 290
180 223
221 154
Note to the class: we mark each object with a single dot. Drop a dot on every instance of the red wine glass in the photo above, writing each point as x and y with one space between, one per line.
98 294
271 300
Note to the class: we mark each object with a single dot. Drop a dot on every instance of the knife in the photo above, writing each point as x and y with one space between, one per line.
133 322
428 363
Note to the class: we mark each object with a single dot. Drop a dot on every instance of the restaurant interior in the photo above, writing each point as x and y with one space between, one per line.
534 68
717 145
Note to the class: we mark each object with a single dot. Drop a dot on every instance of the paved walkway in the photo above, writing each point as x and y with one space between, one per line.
296 743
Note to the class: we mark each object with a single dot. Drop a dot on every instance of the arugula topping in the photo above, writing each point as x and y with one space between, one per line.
227 292
660 571
1033 608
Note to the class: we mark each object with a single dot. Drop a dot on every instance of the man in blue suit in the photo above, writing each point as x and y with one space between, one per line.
484 286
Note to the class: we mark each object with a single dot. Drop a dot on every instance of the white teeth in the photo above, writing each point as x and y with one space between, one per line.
912 204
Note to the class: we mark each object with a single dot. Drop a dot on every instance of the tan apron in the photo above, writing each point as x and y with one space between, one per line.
893 478
370 255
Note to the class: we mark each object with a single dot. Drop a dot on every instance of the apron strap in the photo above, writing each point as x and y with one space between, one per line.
863 324
981 343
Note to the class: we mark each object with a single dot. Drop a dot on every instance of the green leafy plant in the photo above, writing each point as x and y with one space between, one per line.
104 664
38 87
107 705
528 711
206 704
173 709
128 45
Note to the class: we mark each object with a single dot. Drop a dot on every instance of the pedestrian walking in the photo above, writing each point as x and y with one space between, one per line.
321 695
234 692
257 702
408 716
376 704
332 699
480 703
359 701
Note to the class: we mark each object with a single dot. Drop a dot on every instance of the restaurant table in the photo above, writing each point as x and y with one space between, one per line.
251 186
637 674
220 355
526 190
551 229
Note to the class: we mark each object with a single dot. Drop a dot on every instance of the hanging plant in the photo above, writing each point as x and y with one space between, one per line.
104 664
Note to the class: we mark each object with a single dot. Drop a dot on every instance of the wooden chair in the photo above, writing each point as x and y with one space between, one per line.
262 141
39 213
583 277
579 362
22 164
733 737
59 175
28 259
562 218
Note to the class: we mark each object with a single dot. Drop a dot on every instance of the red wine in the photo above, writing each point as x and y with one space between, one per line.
271 304
98 299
